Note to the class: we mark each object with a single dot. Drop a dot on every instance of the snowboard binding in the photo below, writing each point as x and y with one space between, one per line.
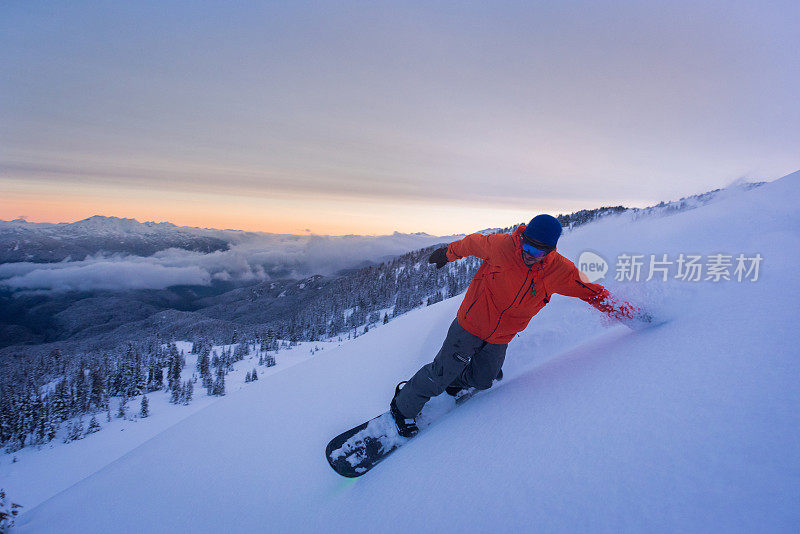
406 426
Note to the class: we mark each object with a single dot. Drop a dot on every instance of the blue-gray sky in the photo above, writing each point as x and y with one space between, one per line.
369 117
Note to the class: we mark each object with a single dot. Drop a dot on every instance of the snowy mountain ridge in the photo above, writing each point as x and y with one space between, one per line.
689 426
121 226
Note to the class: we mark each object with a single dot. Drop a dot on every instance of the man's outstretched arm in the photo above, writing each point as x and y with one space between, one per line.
477 245
572 283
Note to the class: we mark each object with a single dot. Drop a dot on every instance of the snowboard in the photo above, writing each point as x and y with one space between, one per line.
354 452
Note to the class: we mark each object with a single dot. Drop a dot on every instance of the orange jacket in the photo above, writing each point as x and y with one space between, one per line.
505 293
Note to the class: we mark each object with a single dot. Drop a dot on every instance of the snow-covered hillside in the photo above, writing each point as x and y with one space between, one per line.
690 426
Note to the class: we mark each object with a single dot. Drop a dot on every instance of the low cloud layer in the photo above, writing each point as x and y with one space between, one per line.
256 259
112 274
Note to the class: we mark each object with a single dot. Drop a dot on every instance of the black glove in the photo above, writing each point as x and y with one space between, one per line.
439 257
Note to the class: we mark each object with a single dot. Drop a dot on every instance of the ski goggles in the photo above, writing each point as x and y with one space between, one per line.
535 248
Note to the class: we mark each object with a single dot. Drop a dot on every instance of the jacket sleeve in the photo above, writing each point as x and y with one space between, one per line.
567 281
478 245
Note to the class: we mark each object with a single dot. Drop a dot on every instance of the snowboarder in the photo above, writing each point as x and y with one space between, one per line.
519 274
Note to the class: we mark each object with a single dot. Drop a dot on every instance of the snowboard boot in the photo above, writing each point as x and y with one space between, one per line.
453 391
406 426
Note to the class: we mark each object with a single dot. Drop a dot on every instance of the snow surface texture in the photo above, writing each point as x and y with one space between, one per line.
36 473
691 426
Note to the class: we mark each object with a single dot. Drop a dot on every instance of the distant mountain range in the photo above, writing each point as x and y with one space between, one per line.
54 242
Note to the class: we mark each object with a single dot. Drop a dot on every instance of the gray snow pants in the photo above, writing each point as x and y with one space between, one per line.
464 360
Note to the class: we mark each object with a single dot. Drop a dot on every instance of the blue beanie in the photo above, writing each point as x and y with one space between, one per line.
545 229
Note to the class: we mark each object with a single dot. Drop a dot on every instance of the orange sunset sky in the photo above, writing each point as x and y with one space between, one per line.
404 117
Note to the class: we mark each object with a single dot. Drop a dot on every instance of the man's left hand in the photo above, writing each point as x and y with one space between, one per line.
439 257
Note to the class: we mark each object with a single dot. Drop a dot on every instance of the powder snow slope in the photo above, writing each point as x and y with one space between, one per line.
689 426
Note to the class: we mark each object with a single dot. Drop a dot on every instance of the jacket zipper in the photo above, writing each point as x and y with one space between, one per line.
510 305
476 299
544 287
587 287
471 305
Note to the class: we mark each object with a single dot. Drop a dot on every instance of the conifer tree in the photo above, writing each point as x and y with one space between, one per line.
98 387
203 364
74 431
6 414
177 391
82 390
175 370
50 427
8 511
140 380
144 411
219 383
155 376
61 404
123 406
188 392
93 427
